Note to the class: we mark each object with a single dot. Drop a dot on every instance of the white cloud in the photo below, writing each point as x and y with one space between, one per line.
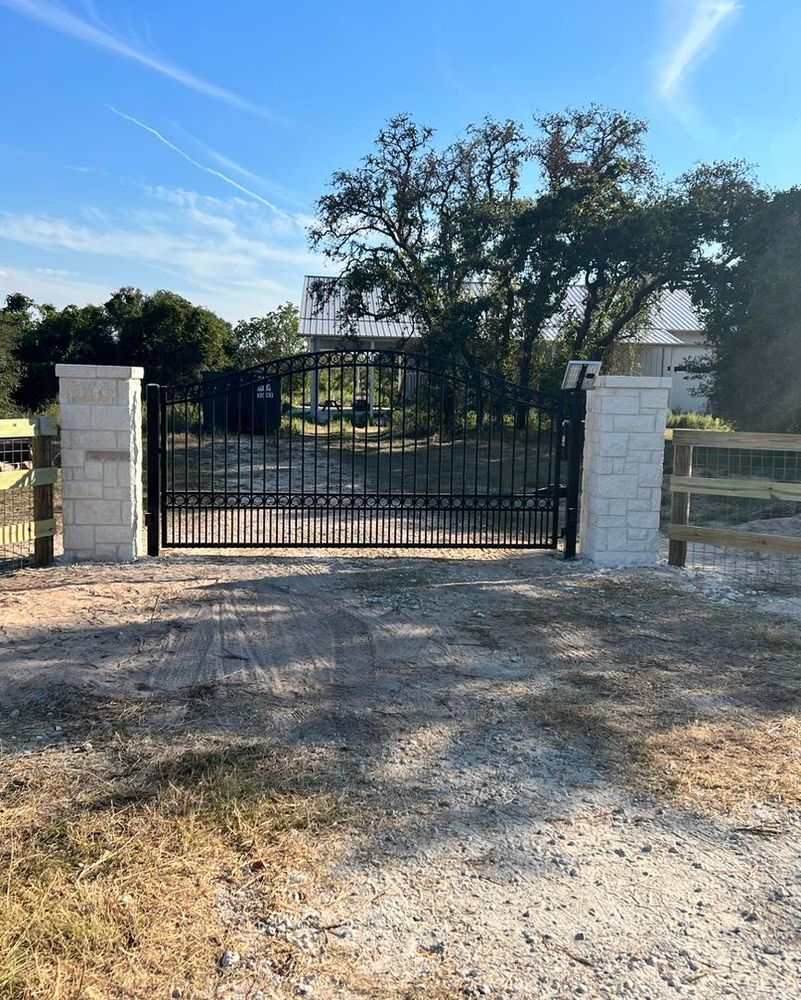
93 32
56 289
208 170
697 24
227 253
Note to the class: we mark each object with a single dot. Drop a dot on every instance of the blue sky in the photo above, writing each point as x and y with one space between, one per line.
182 145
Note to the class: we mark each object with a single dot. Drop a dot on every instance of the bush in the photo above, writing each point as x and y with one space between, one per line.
697 421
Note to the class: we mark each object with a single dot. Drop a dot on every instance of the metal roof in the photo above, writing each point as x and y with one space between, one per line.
322 318
673 312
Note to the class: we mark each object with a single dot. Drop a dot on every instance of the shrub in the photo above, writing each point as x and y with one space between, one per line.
697 421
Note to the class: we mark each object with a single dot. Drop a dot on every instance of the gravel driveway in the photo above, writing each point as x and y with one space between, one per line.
532 807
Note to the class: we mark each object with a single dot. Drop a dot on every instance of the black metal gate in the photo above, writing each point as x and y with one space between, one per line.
357 449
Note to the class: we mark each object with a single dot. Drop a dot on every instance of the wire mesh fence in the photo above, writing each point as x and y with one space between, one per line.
18 505
753 495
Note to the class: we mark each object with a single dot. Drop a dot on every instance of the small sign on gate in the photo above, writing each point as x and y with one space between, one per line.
241 407
267 411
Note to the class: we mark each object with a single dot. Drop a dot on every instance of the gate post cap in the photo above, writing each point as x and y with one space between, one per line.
100 371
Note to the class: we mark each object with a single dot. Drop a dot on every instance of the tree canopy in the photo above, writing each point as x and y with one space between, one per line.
173 339
479 242
264 338
749 293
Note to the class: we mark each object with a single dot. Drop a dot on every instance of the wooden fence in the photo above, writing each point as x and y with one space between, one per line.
758 485
26 445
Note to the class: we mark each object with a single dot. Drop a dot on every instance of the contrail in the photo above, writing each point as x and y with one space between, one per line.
202 166
64 21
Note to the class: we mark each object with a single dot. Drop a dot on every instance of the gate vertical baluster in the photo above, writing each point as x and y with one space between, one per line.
514 536
428 519
211 512
199 478
416 431
489 520
575 425
465 417
368 375
303 451
349 523
390 518
341 506
452 419
277 513
227 417
249 509
524 517
377 528
555 453
268 511
289 454
235 536
154 486
440 499
163 463
403 390
326 533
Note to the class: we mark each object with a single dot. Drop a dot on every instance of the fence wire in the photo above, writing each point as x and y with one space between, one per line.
16 506
758 570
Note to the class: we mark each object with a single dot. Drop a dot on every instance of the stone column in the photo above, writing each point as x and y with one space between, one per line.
624 447
101 461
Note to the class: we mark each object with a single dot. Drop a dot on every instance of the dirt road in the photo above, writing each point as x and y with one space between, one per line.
553 783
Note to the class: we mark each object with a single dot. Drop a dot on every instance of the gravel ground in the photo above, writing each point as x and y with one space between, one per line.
502 844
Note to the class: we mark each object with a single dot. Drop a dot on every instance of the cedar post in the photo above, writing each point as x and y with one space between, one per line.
680 502
42 499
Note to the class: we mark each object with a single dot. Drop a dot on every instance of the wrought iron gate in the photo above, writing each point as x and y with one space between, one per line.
357 449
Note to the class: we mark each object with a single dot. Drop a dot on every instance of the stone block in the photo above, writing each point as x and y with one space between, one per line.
118 534
91 391
75 418
650 475
111 418
82 489
615 403
633 422
98 512
617 487
107 551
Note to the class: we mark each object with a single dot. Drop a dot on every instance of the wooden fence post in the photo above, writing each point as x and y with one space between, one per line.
42 500
680 502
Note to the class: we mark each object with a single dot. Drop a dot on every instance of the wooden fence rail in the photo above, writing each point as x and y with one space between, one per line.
683 484
40 479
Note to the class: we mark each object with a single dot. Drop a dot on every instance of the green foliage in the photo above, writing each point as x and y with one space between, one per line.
697 421
73 335
750 295
265 338
173 339
482 260
14 319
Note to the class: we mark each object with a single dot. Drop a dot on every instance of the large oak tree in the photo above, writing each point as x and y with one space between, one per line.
479 242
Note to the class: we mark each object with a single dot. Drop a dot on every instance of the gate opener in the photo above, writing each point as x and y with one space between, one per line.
580 375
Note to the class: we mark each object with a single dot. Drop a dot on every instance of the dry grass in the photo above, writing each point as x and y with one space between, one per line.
114 863
715 759
725 764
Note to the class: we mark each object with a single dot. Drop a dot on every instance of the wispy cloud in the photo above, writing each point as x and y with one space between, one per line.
227 253
209 170
698 23
222 160
93 32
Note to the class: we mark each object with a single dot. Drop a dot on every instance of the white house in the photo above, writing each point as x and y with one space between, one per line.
673 334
